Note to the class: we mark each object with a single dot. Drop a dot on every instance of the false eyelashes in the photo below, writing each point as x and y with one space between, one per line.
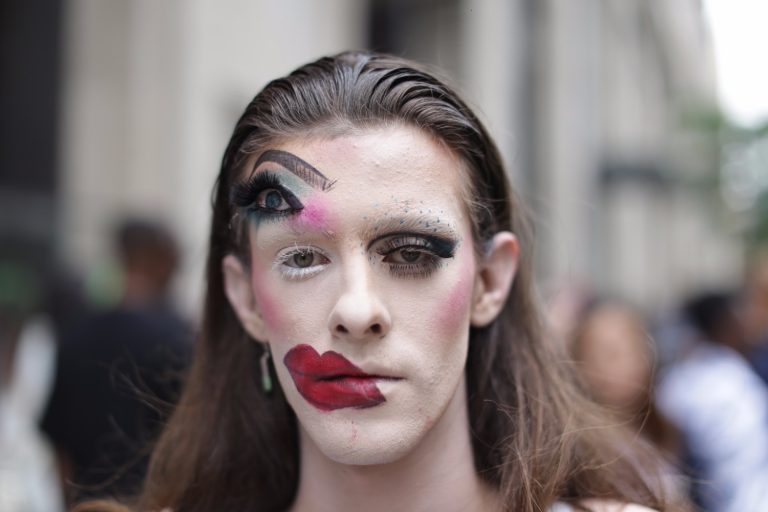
415 256
264 196
439 246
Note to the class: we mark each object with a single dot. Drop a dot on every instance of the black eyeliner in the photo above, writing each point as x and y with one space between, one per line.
442 247
245 194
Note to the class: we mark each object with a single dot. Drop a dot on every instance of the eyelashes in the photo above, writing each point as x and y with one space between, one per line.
300 262
264 197
415 256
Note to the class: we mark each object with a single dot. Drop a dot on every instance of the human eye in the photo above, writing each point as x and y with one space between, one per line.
271 200
414 256
300 262
264 196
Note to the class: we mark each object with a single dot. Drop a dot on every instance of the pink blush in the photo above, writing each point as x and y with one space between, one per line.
454 310
456 306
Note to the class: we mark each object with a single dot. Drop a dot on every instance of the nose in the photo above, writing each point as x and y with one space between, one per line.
359 312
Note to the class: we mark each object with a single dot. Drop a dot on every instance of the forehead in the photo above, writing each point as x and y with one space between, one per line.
386 165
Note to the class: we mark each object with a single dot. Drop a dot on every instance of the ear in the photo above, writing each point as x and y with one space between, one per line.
237 287
494 279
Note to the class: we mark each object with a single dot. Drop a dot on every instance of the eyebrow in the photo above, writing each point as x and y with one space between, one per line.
407 225
290 162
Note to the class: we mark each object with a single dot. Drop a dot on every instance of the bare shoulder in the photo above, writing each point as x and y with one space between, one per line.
615 506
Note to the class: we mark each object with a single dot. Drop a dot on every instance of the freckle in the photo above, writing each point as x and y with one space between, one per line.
434 230
427 224
402 221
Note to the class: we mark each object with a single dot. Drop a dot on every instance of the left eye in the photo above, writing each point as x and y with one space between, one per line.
406 256
272 199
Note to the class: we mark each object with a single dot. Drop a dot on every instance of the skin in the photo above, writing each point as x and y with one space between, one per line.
615 357
413 450
350 290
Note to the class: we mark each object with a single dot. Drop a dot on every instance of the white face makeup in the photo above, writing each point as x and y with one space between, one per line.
362 270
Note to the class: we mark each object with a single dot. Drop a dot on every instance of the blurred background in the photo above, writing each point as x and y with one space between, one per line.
635 130
607 113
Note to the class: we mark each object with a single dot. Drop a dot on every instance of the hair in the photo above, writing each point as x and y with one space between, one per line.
710 313
231 447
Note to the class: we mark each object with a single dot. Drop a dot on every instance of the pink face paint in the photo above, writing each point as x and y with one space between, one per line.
331 381
456 306
312 217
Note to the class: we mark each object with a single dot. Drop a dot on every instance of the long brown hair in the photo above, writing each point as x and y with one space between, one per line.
231 447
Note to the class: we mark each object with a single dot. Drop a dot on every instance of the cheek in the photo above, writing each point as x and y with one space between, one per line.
268 306
454 311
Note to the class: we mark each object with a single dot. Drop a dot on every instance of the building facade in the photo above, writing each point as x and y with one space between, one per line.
586 98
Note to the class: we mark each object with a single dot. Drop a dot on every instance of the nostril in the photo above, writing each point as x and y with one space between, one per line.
376 329
341 329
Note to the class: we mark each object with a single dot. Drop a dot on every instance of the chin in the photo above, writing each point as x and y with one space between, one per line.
358 442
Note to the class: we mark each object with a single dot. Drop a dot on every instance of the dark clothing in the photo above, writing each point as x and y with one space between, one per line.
759 360
117 377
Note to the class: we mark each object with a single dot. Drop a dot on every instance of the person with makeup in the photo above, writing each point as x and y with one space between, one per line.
370 337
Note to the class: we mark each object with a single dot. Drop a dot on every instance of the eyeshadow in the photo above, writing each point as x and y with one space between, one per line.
245 197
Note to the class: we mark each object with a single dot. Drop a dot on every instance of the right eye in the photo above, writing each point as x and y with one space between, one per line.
272 200
301 263
304 259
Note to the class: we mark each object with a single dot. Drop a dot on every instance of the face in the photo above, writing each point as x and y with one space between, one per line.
362 274
615 357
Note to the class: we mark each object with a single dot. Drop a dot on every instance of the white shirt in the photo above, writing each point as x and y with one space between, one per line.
721 408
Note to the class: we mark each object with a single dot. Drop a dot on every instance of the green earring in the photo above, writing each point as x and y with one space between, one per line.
266 378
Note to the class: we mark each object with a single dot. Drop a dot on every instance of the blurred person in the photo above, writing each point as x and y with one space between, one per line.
615 354
755 309
28 473
371 339
65 301
720 407
118 372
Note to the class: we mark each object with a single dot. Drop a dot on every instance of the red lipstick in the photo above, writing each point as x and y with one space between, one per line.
330 381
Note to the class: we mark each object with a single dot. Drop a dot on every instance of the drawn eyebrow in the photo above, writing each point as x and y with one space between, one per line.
297 166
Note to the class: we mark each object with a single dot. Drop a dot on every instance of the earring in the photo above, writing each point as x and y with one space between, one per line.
266 378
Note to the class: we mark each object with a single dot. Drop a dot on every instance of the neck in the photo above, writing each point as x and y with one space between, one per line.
438 474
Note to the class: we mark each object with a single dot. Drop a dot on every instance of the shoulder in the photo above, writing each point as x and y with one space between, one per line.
596 505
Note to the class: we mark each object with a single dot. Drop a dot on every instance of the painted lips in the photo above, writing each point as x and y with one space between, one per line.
330 381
